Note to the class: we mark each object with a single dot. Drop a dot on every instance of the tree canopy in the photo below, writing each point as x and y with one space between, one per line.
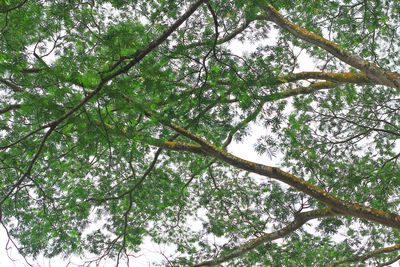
117 116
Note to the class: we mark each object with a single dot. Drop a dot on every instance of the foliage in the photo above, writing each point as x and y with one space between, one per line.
116 118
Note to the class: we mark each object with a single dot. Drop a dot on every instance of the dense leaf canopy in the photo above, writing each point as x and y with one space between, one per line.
117 116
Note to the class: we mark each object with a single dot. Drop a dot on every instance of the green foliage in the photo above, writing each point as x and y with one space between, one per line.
79 168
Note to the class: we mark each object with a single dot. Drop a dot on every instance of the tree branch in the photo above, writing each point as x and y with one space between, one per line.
333 80
389 262
141 53
242 124
12 8
230 35
28 171
302 90
346 77
11 85
339 205
373 72
137 56
299 221
368 255
9 108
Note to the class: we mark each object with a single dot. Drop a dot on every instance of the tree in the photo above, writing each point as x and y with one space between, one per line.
121 113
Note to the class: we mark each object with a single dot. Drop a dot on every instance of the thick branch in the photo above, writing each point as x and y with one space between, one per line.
9 108
12 8
373 72
368 255
303 90
332 80
11 85
178 146
299 221
389 262
341 206
347 77
344 77
31 70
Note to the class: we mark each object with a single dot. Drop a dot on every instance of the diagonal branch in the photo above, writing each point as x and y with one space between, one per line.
341 206
141 53
336 204
242 124
11 85
368 255
228 36
12 8
332 80
302 90
346 77
137 56
373 72
9 108
28 171
389 262
300 220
